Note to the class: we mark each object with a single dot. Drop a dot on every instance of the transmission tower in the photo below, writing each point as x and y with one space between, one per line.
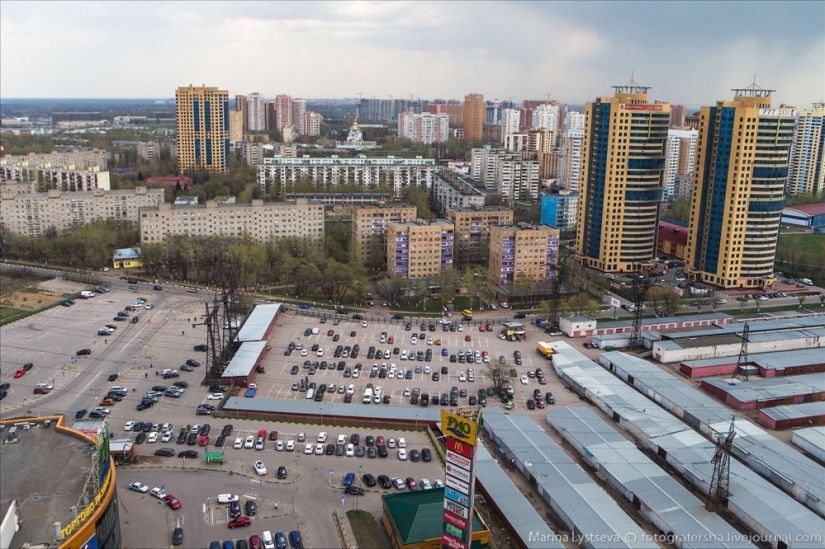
641 284
214 364
741 364
555 293
719 484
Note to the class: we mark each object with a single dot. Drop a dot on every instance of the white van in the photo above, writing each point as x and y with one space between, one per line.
269 543
367 396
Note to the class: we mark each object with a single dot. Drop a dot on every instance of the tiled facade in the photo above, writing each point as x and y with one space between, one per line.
420 248
472 231
372 221
529 249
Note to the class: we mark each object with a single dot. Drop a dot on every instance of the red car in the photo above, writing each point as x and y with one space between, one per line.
411 484
390 340
41 391
20 372
468 337
379 440
481 328
542 381
239 522
331 333
171 501
255 542
273 435
540 404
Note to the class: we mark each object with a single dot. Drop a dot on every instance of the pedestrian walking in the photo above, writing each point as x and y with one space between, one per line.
145 374
156 373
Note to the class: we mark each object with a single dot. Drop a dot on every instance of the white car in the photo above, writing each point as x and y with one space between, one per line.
429 341
402 442
319 449
350 450
492 306
438 483
153 437
215 396
504 305
238 443
227 498
414 341
167 436
102 410
320 352
391 374
139 487
302 437
279 446
322 436
523 380
259 467
461 376
721 301
402 454
460 327
150 307
158 493
427 369
406 391
309 448
250 442
290 446
364 324
425 484
351 389
305 352
316 331
129 426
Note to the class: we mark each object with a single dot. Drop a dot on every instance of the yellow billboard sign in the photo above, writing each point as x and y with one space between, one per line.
459 428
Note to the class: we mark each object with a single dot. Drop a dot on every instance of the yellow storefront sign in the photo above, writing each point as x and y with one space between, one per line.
85 513
459 428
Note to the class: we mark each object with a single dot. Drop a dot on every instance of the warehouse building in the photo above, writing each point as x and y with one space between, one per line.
765 393
797 415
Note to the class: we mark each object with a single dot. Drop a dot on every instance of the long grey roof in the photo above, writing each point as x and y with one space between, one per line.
244 360
662 320
795 323
795 411
812 436
769 361
771 388
527 524
764 453
761 506
254 329
666 502
583 505
339 409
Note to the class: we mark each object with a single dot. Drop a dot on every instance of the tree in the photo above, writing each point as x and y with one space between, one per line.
337 280
678 210
448 281
665 301
521 285
544 308
801 299
495 371
417 196
153 256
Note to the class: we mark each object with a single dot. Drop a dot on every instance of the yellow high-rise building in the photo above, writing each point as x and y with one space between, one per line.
622 178
203 129
738 190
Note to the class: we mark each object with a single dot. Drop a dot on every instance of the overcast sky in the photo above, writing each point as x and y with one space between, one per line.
688 52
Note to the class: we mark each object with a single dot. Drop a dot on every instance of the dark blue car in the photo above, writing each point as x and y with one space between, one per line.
303 306
295 539
280 540
307 332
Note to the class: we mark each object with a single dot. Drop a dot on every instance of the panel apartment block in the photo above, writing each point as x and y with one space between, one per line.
454 190
369 172
529 249
31 179
260 220
472 231
370 222
420 248
81 160
33 213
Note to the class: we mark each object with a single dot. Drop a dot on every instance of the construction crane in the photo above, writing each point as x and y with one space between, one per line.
555 294
720 482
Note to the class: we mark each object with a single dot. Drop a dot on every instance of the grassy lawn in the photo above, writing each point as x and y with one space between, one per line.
6 312
811 244
365 529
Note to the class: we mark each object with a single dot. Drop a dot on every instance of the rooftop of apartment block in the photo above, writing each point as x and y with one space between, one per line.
486 209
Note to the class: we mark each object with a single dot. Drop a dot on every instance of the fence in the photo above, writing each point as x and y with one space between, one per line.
416 321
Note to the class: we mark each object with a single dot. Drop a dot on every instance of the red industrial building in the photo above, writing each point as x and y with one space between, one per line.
764 393
788 417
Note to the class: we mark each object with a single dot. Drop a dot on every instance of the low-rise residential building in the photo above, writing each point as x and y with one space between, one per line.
34 213
420 248
369 225
259 220
42 179
532 250
369 172
79 159
127 258
472 231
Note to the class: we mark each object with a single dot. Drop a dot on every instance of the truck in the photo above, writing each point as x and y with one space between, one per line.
544 349
250 391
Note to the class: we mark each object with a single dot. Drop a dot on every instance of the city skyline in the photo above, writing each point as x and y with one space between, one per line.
690 53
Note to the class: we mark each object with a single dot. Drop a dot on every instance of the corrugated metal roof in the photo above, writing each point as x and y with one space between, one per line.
770 361
762 389
673 507
795 411
761 506
662 320
244 360
781 464
796 323
254 329
522 516
581 503
338 409
815 436
708 340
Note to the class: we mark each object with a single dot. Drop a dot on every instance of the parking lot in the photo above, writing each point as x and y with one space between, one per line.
314 481
278 380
